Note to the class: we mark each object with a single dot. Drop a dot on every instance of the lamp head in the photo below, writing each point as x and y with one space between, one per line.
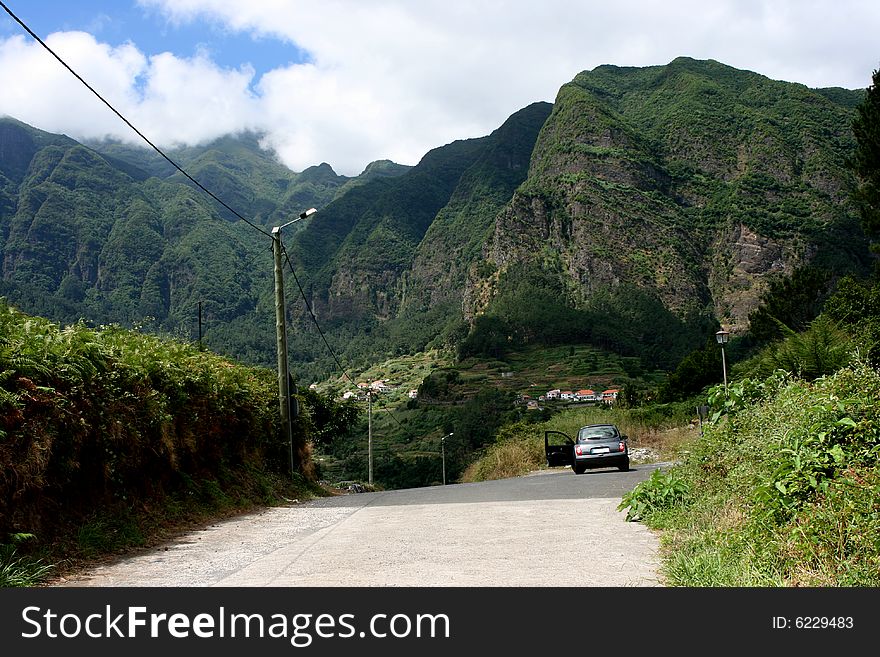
722 336
303 215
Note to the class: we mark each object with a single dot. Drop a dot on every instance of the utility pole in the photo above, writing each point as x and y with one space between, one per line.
370 436
281 337
281 344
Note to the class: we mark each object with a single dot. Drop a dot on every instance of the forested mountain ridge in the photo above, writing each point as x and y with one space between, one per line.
666 198
642 208
114 234
400 249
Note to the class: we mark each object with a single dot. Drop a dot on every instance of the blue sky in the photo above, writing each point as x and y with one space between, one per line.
349 82
120 21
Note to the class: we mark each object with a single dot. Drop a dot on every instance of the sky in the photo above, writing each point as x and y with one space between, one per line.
349 82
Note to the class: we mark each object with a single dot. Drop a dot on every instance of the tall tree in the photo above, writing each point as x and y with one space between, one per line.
866 127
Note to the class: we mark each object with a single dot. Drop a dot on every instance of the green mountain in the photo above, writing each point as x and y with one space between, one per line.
115 234
660 200
391 257
642 208
237 170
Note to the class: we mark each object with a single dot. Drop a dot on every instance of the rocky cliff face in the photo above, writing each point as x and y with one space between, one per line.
743 264
695 182
403 247
454 242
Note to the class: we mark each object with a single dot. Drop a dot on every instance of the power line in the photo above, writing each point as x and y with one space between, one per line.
314 318
128 123
324 338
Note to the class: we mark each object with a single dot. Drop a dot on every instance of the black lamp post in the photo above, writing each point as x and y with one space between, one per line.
443 454
723 337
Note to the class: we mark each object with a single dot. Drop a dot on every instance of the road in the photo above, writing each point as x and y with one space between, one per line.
550 528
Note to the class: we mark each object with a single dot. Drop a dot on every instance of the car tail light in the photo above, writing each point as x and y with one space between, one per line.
577 450
622 446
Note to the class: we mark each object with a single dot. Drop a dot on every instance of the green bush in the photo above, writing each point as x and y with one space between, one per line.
110 418
662 491
822 349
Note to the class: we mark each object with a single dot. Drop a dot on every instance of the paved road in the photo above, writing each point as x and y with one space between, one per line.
527 531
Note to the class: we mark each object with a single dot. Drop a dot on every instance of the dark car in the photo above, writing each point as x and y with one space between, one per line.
596 446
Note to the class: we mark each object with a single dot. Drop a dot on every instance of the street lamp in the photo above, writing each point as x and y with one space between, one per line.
281 335
370 437
722 337
443 454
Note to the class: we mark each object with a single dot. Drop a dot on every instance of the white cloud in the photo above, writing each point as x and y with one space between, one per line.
394 78
191 100
169 99
38 90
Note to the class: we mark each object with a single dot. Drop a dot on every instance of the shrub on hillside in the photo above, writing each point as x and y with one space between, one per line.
94 419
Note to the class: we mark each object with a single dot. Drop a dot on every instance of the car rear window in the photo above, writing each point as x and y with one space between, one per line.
596 433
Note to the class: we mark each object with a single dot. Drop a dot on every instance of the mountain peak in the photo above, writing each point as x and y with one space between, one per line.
320 172
384 168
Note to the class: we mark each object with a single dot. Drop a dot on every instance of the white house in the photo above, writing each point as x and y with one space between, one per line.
610 396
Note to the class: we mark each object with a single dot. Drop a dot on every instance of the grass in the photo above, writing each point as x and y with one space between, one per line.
17 570
783 488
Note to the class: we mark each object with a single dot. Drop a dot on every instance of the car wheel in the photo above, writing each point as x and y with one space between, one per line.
578 469
623 467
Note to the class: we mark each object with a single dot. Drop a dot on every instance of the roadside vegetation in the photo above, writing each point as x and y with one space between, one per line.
782 490
111 439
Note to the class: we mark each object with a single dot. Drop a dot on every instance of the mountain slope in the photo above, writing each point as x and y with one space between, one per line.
684 187
113 233
387 262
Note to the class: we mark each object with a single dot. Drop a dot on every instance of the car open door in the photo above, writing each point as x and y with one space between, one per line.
559 448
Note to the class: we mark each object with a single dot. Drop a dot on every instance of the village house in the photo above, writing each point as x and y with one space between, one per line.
381 386
610 396
585 395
